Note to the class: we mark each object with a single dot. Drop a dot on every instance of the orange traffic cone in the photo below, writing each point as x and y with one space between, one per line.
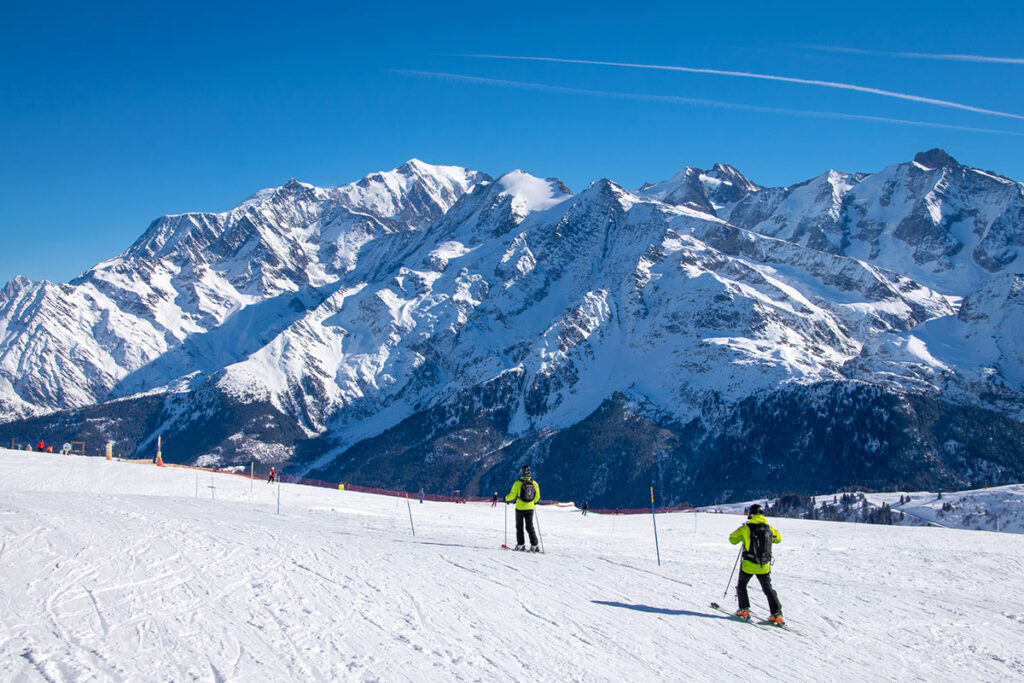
159 458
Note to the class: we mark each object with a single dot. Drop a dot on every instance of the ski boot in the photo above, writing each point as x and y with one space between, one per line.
534 548
777 619
520 547
742 613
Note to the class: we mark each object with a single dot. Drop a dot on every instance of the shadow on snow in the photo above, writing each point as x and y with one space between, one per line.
658 610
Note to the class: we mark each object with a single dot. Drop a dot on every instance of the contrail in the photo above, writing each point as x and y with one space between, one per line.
691 100
918 55
765 77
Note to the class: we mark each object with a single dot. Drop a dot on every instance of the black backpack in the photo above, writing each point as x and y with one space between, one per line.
527 492
760 544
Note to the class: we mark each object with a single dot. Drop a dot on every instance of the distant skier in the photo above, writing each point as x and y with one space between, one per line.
586 506
421 496
494 499
273 475
41 446
525 492
757 537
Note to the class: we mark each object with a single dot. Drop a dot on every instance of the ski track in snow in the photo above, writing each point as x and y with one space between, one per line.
118 571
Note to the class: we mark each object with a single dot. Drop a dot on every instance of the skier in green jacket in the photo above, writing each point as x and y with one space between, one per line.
757 537
525 492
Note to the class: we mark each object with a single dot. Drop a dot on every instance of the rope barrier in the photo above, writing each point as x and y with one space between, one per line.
433 497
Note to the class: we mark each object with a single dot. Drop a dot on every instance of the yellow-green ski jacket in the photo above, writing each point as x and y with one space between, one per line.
514 495
743 534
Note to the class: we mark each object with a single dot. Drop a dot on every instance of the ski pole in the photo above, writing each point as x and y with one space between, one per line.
733 571
506 525
540 536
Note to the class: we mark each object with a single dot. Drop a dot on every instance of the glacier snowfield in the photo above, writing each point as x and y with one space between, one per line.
114 571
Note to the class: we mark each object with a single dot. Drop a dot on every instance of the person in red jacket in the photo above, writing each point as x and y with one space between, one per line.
272 476
41 446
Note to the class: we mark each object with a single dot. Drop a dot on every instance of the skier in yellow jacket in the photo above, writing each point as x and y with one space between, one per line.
525 492
757 537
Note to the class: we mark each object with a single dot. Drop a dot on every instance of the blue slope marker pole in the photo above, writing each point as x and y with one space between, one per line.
654 517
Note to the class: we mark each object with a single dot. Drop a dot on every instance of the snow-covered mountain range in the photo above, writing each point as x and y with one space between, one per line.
433 326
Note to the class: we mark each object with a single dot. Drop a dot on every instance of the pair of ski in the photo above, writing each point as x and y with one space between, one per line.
757 623
529 552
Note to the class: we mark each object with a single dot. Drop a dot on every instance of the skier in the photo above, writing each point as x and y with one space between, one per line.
525 492
273 474
41 446
586 506
757 537
494 499
421 496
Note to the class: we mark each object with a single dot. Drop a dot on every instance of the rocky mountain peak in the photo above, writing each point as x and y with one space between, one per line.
415 193
704 191
727 172
15 285
935 158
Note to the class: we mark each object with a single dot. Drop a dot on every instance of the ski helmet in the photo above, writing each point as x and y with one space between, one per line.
755 509
524 471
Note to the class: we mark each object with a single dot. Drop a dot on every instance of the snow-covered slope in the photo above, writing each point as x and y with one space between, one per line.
998 508
118 571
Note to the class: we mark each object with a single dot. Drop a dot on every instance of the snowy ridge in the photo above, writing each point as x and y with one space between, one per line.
135 322
999 508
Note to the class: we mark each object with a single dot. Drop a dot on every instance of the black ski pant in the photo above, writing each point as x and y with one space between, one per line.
525 517
766 585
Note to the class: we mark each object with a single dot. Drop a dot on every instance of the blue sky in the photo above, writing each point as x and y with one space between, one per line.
113 115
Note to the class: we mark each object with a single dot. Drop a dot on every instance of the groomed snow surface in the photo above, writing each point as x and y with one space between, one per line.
118 571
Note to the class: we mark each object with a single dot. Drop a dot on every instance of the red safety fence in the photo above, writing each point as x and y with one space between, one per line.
453 497
638 511
457 497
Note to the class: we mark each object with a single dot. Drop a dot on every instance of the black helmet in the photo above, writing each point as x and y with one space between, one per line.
524 471
755 509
